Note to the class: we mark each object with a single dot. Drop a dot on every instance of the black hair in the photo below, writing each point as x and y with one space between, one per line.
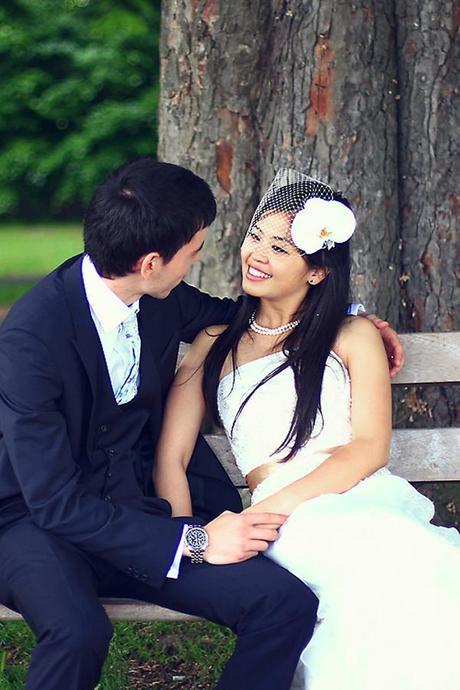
144 206
307 347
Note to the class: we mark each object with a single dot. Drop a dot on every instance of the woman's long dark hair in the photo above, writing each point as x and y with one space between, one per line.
307 347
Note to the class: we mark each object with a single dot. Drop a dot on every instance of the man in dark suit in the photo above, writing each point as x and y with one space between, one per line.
81 399
86 360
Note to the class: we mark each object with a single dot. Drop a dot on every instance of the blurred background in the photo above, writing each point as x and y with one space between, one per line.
79 85
363 95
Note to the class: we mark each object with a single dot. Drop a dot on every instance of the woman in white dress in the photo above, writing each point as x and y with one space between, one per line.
303 394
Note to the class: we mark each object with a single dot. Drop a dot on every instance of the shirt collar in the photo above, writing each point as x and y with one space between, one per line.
105 306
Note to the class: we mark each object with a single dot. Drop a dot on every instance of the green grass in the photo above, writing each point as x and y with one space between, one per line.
28 252
34 250
148 653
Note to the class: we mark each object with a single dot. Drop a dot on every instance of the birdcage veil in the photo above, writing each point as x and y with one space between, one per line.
298 214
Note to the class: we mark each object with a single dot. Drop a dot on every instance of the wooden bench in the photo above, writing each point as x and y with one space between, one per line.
419 455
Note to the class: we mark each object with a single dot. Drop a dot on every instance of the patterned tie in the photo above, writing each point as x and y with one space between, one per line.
129 348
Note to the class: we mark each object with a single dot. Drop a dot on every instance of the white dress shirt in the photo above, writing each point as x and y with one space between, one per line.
108 311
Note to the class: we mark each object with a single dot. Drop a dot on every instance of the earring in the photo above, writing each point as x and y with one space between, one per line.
312 281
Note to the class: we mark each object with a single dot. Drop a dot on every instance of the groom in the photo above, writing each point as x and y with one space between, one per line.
86 360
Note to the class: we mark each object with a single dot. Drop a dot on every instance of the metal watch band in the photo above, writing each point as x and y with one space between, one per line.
196 539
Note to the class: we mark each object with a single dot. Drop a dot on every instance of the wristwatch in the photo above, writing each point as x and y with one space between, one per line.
196 538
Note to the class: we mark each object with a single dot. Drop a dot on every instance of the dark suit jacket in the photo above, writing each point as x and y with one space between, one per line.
49 354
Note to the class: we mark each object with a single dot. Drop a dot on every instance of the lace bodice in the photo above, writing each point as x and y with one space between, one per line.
265 420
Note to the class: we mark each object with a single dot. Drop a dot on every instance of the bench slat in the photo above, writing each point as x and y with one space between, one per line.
430 358
123 610
419 455
426 455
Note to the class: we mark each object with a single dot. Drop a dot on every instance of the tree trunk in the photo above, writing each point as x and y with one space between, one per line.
327 108
249 87
209 61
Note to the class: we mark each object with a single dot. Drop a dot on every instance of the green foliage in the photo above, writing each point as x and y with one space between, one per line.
78 97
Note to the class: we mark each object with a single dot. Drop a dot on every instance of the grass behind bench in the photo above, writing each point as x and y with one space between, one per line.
30 251
34 250
142 655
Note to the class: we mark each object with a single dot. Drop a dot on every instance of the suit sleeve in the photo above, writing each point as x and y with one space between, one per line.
199 310
35 435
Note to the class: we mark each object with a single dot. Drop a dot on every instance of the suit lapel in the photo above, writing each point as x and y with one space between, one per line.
85 337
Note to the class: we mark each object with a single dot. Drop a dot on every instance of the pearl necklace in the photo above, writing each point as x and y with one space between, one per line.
264 330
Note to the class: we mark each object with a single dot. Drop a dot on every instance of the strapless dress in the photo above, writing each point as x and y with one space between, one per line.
388 581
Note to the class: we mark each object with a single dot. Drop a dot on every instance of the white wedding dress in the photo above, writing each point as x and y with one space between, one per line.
388 581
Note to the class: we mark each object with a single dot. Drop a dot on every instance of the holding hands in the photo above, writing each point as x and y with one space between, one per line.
236 537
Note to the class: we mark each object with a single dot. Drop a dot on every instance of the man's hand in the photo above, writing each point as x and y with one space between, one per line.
235 537
391 343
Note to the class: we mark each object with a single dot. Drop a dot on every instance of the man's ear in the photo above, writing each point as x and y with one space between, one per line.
147 264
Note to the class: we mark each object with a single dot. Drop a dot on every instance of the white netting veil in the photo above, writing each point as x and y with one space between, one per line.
298 214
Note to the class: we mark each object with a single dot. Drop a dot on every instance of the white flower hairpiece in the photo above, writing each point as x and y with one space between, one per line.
320 224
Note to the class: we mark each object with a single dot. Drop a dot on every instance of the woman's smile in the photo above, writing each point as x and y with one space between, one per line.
256 274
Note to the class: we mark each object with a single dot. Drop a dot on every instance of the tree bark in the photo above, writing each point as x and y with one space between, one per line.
327 108
429 162
429 165
250 87
210 59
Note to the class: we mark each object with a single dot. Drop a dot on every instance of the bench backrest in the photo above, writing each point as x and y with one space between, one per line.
417 454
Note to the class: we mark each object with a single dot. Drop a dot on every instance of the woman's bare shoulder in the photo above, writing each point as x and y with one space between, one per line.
357 334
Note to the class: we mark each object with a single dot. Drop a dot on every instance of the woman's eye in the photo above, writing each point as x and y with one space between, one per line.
278 250
253 236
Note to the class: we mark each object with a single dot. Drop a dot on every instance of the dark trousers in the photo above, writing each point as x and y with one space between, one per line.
56 587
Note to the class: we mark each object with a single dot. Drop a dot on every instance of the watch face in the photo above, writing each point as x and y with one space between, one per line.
197 538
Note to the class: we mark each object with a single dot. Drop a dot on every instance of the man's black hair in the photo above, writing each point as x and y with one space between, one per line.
144 206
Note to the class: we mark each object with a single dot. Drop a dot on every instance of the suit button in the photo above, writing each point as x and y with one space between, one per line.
111 452
144 577
109 475
108 498
103 428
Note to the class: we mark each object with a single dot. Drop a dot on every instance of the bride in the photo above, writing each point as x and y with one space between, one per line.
303 394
